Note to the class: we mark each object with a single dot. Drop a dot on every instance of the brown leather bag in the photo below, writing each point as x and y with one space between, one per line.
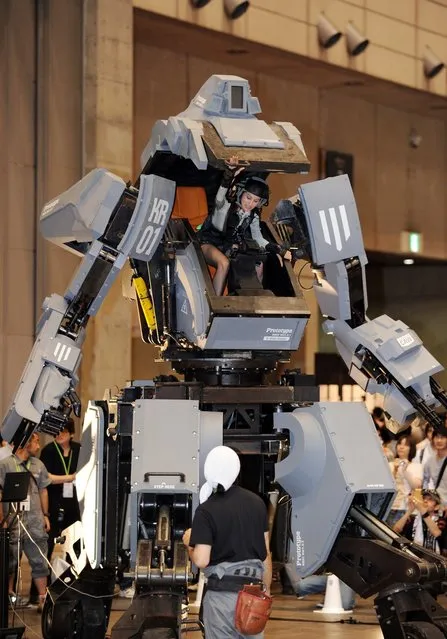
253 608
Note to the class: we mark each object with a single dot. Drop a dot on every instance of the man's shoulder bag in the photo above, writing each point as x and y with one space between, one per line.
253 608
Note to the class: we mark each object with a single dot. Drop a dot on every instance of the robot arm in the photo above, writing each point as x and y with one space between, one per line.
107 222
383 355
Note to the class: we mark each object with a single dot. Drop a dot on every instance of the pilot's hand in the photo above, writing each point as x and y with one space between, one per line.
232 162
411 504
186 536
287 256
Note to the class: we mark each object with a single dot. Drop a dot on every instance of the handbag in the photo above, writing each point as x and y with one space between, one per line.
253 608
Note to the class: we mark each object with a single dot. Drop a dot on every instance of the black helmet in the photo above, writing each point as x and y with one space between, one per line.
255 185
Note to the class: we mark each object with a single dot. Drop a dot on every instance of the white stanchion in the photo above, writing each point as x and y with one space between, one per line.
332 598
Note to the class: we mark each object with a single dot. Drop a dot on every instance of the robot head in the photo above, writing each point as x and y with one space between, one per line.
254 185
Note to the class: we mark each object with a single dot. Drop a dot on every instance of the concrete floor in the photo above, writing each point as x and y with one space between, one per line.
291 618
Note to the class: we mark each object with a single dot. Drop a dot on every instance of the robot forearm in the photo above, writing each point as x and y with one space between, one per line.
49 377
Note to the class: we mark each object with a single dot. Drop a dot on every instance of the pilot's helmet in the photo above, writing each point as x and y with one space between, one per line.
256 186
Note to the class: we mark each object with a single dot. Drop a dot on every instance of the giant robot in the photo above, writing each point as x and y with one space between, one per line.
144 448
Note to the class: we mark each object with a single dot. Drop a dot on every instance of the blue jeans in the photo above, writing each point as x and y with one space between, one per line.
317 584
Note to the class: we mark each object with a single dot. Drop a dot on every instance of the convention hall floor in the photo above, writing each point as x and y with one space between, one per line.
291 618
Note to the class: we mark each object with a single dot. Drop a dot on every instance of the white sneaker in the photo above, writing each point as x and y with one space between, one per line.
127 593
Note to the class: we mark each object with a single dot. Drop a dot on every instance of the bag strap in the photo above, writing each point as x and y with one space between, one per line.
22 464
441 472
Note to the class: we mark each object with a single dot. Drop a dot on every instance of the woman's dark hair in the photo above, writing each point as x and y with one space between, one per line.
409 441
377 412
385 435
427 428
70 426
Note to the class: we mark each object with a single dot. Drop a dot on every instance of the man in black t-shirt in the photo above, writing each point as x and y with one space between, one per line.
229 541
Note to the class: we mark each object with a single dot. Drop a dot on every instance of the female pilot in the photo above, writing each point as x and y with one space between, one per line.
236 215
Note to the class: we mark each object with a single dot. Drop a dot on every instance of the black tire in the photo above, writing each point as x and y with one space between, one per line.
51 629
422 630
47 619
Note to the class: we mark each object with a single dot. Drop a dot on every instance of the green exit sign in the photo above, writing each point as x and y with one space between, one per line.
411 242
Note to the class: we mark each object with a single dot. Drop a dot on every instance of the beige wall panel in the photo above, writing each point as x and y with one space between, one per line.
61 267
21 207
113 98
144 365
432 16
107 351
391 34
264 26
17 93
297 9
19 294
60 139
212 16
115 62
165 7
438 45
338 11
348 125
404 10
426 186
390 65
20 93
391 198
336 55
114 140
160 91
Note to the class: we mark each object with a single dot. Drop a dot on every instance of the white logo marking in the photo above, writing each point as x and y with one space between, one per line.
62 351
335 225
150 234
405 340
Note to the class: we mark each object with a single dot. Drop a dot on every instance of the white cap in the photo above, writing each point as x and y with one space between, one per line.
222 466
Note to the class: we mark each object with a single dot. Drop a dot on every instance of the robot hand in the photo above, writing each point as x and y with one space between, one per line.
384 355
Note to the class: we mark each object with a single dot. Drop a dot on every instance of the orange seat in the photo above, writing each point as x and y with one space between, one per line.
190 203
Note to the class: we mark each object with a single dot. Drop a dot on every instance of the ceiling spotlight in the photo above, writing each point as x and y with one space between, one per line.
198 4
328 35
432 64
235 8
355 41
408 261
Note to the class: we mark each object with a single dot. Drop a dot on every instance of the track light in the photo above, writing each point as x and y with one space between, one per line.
198 4
432 64
327 33
356 43
235 8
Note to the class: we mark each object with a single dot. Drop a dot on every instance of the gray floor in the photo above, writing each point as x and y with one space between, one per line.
291 618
